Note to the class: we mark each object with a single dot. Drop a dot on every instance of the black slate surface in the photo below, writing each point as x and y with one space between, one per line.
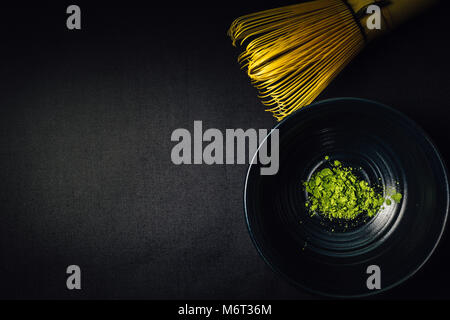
86 176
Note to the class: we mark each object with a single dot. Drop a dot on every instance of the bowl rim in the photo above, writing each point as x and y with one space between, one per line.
369 293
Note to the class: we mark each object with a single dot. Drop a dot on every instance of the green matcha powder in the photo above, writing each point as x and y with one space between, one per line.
338 194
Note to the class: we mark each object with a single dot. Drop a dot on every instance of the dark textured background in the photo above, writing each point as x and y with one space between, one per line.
85 170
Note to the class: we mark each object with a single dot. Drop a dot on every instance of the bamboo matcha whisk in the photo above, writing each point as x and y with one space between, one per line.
292 53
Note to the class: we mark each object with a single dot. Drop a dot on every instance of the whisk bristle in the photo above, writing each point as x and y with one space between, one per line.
292 53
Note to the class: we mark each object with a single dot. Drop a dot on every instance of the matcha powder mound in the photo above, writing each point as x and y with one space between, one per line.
337 193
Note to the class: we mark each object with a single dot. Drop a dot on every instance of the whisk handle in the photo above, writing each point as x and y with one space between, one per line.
401 10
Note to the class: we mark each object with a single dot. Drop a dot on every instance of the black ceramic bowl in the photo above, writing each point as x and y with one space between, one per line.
331 257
